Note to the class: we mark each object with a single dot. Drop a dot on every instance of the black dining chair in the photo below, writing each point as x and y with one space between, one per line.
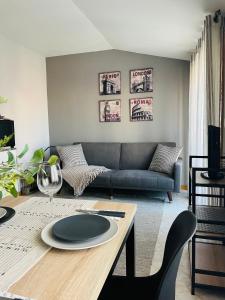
160 286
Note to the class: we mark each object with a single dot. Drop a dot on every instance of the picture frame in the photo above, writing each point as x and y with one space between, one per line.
109 111
141 80
140 109
109 83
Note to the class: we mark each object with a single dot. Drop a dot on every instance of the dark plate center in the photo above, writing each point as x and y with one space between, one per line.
80 227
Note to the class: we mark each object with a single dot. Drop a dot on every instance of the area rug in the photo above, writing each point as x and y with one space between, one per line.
148 218
147 223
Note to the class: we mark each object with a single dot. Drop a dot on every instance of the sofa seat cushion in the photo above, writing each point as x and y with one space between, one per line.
102 180
141 179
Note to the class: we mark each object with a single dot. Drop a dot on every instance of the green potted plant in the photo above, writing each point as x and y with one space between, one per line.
12 170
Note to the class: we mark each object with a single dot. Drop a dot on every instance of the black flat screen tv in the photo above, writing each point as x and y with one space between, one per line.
213 154
6 129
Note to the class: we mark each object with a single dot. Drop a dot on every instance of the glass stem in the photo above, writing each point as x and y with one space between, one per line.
51 198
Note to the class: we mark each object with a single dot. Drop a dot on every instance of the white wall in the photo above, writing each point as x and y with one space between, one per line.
23 82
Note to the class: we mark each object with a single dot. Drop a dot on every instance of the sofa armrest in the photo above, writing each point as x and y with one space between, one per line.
177 175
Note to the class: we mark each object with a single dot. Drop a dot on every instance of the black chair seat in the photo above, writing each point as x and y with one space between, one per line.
121 287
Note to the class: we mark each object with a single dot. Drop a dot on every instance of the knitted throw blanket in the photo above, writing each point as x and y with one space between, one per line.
79 177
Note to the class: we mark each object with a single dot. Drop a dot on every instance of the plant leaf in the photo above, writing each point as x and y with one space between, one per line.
38 156
13 191
34 170
28 177
5 170
5 140
23 152
53 159
11 158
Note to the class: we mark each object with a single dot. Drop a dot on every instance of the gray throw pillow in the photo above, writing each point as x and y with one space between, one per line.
72 155
164 159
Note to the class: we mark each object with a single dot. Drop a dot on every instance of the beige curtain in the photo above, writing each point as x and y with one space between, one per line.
197 103
222 85
212 36
206 100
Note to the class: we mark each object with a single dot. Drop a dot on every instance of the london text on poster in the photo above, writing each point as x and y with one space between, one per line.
141 81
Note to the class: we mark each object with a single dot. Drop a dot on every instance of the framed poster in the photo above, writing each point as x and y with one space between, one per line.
141 109
110 83
141 81
109 111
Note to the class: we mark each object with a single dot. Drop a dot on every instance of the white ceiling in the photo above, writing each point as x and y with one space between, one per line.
51 27
168 28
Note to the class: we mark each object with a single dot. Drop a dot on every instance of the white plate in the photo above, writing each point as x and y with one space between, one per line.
3 212
48 238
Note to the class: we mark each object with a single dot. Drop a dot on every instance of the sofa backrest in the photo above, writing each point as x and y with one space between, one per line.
124 156
137 156
102 154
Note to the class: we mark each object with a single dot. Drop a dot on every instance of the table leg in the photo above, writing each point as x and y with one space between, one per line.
130 254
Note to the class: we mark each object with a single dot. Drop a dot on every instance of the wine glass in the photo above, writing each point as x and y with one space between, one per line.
49 179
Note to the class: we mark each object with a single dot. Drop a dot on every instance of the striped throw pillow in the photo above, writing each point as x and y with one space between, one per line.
72 155
164 159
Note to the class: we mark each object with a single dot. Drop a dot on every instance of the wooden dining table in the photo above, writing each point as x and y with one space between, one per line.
73 275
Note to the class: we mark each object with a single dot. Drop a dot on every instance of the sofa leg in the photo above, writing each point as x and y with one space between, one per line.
169 194
111 194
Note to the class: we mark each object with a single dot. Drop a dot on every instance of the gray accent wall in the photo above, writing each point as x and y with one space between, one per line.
73 96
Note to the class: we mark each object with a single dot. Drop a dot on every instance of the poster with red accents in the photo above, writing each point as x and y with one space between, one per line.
141 109
109 111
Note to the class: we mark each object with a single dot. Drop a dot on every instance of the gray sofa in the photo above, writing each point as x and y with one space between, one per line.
129 164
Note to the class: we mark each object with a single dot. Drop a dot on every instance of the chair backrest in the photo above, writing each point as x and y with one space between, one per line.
180 232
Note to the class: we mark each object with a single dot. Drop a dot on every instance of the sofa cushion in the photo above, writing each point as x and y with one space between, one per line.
102 154
137 156
71 155
164 159
141 179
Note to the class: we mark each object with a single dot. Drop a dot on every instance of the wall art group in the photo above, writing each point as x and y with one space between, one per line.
140 109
